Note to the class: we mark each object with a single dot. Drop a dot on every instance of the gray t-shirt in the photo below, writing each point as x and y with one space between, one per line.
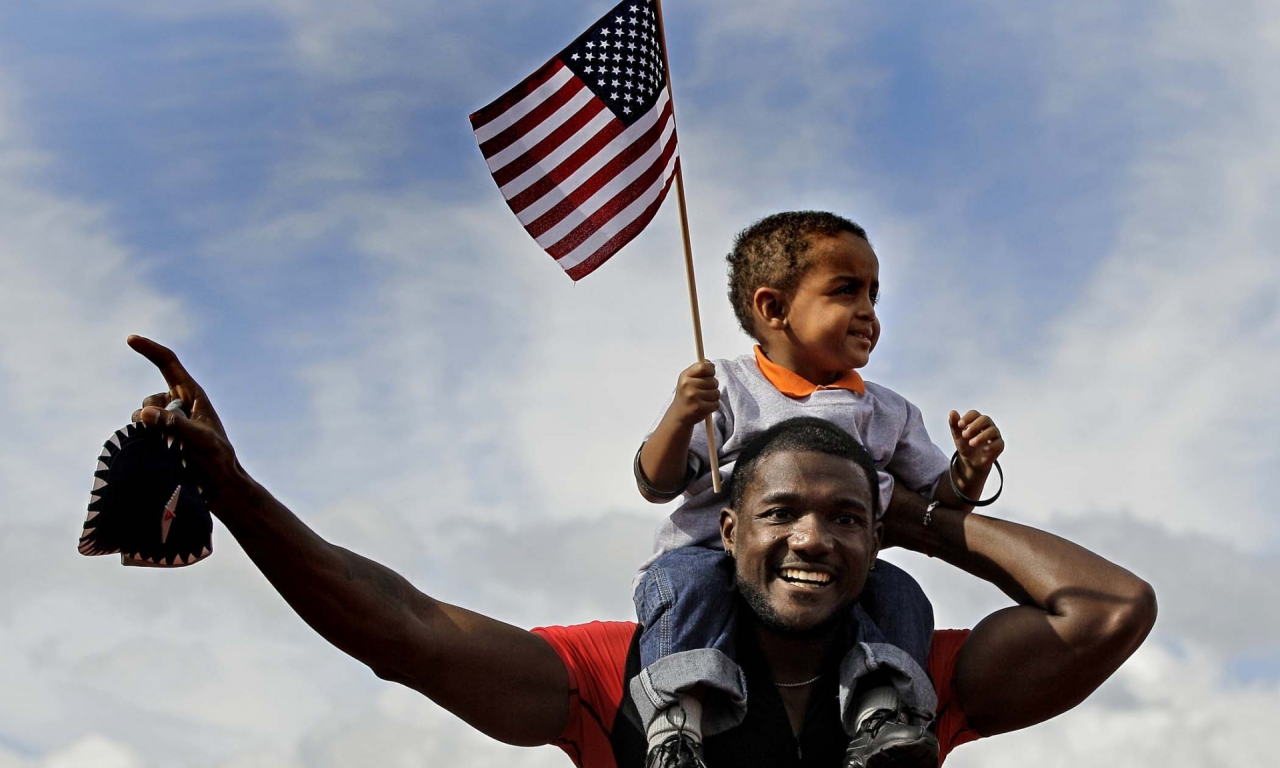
889 426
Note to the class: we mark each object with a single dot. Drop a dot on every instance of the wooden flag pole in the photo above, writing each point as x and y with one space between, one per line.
688 255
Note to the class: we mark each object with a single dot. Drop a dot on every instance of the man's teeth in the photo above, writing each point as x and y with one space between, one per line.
808 577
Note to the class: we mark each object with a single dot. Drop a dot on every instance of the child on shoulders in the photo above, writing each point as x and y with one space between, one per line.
804 285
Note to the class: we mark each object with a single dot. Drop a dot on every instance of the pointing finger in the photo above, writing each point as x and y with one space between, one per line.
163 358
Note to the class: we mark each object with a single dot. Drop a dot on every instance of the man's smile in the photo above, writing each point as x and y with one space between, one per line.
804 577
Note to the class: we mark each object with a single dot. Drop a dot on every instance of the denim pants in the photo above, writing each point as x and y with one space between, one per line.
687 602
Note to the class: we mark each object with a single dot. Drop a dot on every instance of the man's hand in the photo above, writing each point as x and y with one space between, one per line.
977 438
203 438
697 394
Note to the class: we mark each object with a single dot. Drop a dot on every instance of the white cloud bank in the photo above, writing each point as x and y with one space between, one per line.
1164 368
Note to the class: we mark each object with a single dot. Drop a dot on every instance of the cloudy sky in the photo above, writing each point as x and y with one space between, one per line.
1074 206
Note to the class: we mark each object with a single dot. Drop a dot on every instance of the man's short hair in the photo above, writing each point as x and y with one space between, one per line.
774 252
802 434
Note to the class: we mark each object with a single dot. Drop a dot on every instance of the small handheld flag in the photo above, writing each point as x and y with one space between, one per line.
584 149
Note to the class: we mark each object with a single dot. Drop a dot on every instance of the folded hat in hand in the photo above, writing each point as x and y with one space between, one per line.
145 504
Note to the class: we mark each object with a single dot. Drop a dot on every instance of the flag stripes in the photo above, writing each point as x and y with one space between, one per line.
584 150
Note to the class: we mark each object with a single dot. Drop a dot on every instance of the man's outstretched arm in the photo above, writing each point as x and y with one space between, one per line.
504 681
1079 616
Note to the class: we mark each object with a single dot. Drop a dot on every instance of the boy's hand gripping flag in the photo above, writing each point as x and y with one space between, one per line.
584 150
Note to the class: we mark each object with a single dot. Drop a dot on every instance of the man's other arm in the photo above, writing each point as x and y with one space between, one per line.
504 681
1078 616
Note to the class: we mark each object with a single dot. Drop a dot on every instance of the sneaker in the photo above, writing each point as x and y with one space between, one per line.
893 738
678 751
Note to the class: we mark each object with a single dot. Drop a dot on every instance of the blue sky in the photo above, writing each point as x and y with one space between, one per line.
1073 204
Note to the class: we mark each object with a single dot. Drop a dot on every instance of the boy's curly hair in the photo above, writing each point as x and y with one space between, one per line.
774 252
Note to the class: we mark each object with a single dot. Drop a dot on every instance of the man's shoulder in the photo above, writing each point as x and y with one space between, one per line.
951 724
599 657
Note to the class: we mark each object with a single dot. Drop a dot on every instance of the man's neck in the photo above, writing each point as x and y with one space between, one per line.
798 658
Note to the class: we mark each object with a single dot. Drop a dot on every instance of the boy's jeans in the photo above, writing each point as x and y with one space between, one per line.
687 602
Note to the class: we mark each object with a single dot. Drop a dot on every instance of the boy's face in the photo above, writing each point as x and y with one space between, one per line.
832 317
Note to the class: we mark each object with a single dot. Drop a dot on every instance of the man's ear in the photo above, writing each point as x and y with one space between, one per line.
728 529
770 307
877 539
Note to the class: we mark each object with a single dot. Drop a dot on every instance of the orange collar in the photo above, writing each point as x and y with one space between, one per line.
793 384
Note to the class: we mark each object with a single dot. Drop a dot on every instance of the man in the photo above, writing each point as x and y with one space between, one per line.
802 539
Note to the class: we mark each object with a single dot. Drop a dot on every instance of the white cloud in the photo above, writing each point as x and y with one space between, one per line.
477 408
1167 709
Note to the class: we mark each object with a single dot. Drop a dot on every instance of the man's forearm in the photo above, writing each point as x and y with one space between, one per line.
337 592
463 661
1078 618
1029 565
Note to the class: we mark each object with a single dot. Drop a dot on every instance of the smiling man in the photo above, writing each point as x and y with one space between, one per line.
800 538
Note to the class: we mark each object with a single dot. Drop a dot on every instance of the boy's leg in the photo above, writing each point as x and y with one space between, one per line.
690 683
887 700
900 609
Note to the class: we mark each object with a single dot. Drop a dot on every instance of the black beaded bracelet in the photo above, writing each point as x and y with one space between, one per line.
643 481
951 475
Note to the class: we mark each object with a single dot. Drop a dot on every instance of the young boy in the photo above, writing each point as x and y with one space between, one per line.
804 285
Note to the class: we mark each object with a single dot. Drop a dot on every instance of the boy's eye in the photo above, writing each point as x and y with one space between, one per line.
875 296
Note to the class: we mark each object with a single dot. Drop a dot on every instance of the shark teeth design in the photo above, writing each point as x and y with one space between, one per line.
170 512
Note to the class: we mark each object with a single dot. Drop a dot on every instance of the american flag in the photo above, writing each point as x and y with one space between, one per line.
584 150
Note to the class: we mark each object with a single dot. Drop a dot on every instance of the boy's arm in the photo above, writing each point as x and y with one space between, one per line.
664 458
979 444
1077 618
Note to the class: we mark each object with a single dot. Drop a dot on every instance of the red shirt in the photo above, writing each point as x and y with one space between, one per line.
595 655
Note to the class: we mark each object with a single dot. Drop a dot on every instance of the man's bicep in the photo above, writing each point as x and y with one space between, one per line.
504 681
1015 670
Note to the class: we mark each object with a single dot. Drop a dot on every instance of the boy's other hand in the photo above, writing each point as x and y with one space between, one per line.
697 393
977 438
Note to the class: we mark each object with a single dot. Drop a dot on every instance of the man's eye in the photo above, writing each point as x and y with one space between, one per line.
777 513
850 520
875 297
